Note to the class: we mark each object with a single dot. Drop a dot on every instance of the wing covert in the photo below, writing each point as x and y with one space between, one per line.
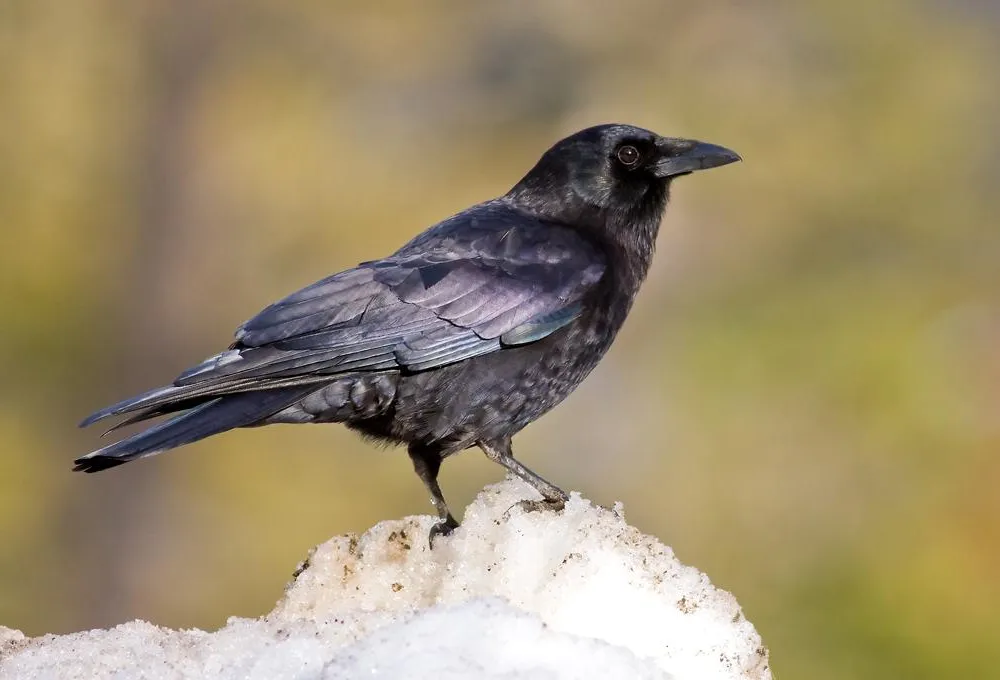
470 286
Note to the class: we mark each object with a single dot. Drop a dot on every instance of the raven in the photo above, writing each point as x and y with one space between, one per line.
463 336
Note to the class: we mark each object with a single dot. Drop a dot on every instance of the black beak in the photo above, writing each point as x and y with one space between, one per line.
681 156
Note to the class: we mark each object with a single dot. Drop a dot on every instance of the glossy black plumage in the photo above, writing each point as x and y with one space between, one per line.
462 337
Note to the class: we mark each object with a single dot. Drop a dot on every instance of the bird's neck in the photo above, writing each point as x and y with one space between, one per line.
628 227
624 230
625 235
629 237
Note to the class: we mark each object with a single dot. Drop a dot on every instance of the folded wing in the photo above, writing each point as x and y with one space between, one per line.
472 285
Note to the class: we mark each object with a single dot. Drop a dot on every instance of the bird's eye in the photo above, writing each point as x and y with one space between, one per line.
628 155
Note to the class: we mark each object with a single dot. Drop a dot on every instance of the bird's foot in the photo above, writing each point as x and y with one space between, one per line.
545 504
442 528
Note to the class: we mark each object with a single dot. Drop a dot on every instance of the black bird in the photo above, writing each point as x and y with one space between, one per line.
460 338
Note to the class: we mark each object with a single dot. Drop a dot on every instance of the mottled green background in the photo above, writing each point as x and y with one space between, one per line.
804 402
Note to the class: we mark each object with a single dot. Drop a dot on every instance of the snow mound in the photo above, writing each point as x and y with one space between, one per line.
510 594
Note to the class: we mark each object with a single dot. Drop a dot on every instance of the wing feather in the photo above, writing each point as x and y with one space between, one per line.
472 285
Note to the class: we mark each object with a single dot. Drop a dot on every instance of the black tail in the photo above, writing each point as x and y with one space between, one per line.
215 416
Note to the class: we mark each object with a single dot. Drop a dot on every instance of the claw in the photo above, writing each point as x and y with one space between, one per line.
442 528
543 505
550 504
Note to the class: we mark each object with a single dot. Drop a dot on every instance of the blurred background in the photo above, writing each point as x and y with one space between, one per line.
804 402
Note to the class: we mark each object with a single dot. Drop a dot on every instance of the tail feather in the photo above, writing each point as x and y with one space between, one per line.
215 416
166 399
143 401
157 411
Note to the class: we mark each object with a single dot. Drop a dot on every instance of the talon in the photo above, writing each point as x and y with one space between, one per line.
550 504
442 528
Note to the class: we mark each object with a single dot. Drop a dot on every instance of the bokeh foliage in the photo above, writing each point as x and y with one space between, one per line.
804 402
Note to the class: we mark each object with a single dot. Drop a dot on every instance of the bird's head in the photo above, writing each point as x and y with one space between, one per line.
613 170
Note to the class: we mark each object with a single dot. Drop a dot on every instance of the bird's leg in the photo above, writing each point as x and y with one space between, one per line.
553 498
427 463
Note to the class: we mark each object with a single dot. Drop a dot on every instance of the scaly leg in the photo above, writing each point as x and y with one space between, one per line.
553 498
427 463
